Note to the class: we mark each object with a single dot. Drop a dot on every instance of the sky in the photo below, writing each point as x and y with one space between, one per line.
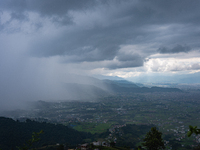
43 43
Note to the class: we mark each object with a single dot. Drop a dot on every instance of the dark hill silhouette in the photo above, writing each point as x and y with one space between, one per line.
15 133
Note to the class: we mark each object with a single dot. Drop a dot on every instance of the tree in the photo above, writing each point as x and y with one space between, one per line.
112 144
60 147
139 148
29 144
193 130
196 131
153 140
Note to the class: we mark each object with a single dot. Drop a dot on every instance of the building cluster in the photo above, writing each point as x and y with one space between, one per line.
88 146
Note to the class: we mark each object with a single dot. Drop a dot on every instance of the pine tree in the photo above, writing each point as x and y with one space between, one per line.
153 140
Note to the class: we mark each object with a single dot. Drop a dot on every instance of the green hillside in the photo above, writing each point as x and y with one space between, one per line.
15 133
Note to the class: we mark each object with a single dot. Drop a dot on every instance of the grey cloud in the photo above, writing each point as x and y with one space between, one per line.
57 11
126 61
195 66
92 45
128 57
176 49
86 34
125 64
50 7
128 12
122 23
124 26
160 12
120 61
19 16
64 20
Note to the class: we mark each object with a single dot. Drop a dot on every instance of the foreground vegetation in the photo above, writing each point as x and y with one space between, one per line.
14 135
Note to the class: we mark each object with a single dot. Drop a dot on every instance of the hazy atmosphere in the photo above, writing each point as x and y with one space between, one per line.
44 44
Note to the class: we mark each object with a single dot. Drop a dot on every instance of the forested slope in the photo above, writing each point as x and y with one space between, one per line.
15 133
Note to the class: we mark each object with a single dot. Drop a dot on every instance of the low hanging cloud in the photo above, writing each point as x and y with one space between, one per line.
176 49
127 61
138 62
195 66
172 65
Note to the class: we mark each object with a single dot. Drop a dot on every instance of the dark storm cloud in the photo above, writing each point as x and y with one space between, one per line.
47 8
128 57
114 23
122 23
93 45
56 10
19 16
137 62
176 49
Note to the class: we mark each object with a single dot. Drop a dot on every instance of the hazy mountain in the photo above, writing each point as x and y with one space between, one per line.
84 91
121 83
98 88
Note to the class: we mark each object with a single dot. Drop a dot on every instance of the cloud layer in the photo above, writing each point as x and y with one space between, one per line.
95 30
43 41
176 49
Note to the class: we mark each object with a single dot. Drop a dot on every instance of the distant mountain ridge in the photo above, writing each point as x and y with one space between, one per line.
127 86
122 83
97 88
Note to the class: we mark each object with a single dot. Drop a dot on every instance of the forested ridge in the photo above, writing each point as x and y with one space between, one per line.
14 133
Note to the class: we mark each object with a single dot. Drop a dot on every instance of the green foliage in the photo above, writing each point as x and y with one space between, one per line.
60 147
92 127
15 133
112 144
139 148
193 130
153 140
131 135
29 144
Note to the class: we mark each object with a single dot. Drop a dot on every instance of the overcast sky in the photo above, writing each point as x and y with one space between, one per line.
41 42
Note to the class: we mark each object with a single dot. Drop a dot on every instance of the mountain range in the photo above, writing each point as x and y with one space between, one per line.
96 88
